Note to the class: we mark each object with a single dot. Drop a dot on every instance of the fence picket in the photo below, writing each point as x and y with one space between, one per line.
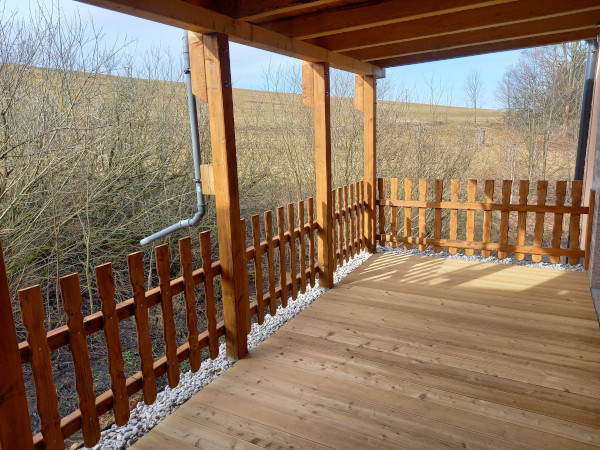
258 277
538 232
341 249
557 227
347 234
361 215
504 218
394 212
245 275
522 217
209 295
358 212
487 217
282 258
422 211
454 191
163 267
302 246
408 187
268 216
84 380
32 312
471 196
437 216
189 294
135 265
381 213
116 364
311 240
352 210
293 260
574 230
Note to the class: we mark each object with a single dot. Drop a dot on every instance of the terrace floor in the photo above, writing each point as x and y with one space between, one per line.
414 352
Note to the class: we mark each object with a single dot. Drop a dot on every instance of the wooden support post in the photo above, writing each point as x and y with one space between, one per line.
15 428
319 72
370 163
227 199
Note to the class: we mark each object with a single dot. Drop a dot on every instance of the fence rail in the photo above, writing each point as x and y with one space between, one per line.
429 232
294 245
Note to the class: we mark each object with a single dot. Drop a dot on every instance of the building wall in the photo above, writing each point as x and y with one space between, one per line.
592 181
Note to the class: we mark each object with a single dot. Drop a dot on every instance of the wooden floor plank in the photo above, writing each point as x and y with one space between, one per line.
188 434
343 398
582 342
245 429
387 300
589 387
548 307
494 344
414 352
456 411
441 352
427 373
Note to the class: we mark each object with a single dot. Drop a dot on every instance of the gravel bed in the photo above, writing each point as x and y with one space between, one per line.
490 259
145 417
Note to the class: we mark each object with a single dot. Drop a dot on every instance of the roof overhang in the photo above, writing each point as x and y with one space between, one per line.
365 37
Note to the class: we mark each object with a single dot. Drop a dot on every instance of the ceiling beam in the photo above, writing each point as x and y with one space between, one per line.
200 19
561 24
516 44
366 15
260 10
441 25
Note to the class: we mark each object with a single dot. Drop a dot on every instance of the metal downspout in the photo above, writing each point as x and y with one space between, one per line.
586 108
201 207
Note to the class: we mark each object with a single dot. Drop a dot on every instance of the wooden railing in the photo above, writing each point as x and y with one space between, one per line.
481 225
349 229
295 245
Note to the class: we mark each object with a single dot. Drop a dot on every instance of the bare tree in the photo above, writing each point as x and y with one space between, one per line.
541 94
474 91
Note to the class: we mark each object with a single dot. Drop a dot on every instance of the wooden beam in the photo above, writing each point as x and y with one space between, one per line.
308 85
369 105
259 10
208 179
366 15
196 49
182 14
231 248
498 34
15 428
323 173
488 48
441 25
358 93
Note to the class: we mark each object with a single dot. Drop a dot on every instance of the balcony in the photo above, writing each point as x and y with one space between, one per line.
417 352
423 351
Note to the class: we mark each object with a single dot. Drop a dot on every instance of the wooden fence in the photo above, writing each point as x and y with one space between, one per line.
349 229
295 246
482 206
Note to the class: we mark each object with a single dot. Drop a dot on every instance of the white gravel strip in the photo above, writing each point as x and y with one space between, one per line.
145 417
491 259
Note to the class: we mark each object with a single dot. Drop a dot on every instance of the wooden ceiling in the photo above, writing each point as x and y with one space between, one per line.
365 37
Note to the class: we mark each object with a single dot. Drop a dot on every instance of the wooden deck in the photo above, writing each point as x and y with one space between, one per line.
414 352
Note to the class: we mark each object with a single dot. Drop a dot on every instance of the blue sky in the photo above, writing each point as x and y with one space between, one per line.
249 64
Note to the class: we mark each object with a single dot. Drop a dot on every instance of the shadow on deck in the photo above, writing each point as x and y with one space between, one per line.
414 352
